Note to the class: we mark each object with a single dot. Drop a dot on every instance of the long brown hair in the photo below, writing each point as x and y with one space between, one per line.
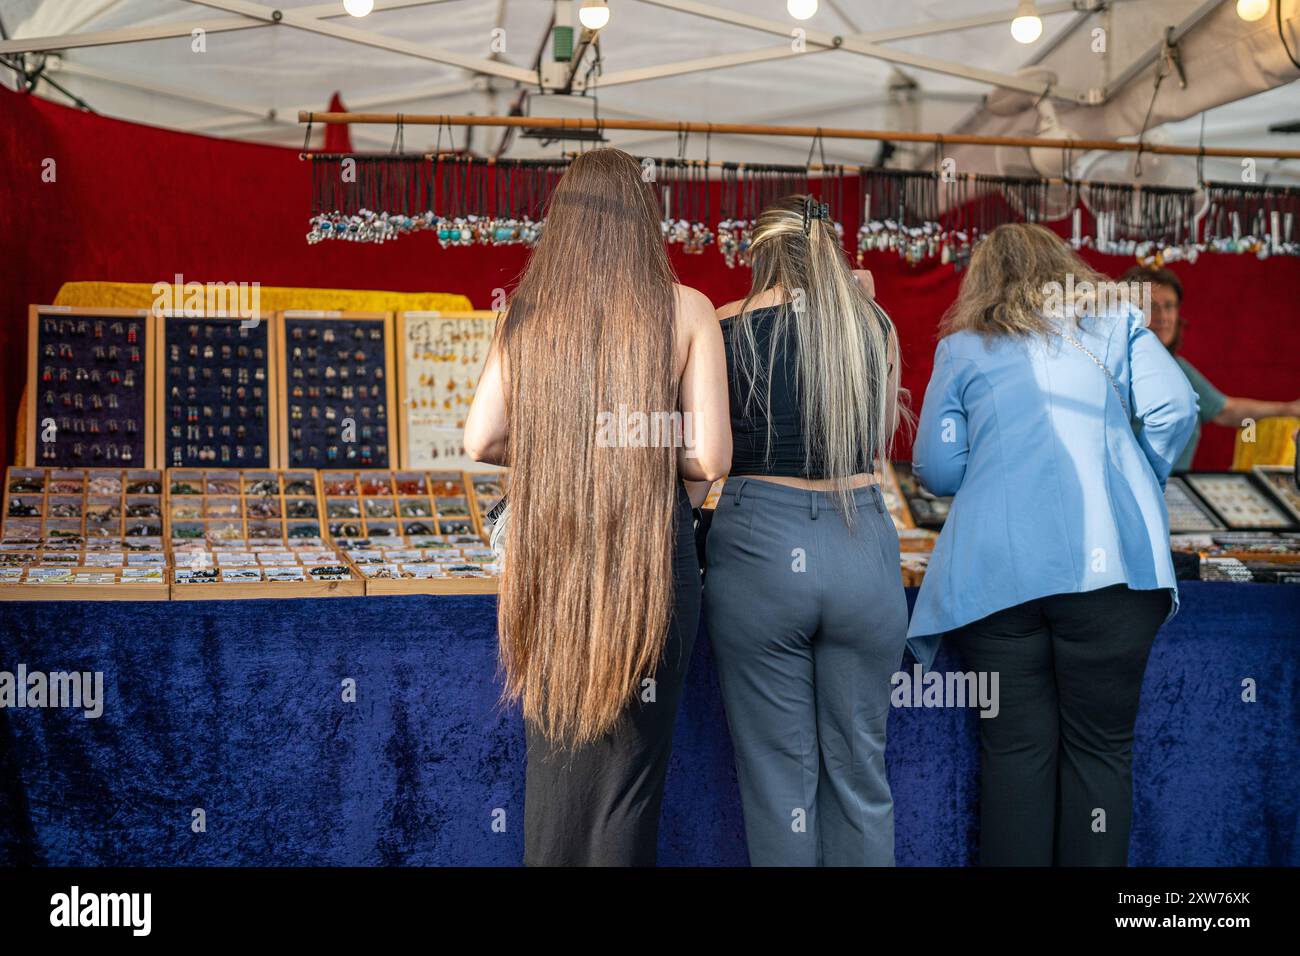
847 374
1006 287
587 589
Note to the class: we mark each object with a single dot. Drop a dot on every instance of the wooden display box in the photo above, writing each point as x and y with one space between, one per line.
371 503
118 504
219 562
222 591
211 402
895 500
487 488
388 586
82 349
322 361
254 504
400 558
440 356
111 591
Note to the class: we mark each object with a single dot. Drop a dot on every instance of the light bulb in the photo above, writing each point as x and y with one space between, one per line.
593 14
1026 27
358 8
1251 10
801 9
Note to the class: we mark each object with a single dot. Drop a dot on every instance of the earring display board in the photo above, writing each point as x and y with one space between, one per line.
118 504
90 381
1280 481
1239 502
1187 513
397 504
337 389
237 505
440 357
217 404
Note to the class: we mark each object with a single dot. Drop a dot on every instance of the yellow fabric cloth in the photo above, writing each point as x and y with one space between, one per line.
1273 444
140 295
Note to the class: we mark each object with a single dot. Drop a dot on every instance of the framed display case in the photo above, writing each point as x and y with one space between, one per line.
117 504
217 401
1187 513
241 505
90 387
441 355
397 505
1239 502
1280 480
336 389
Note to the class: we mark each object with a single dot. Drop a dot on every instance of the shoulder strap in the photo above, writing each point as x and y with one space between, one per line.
1101 365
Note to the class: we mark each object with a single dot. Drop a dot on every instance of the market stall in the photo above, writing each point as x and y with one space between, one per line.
245 513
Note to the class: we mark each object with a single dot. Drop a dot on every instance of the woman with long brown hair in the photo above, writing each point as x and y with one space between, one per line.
803 596
604 389
1054 416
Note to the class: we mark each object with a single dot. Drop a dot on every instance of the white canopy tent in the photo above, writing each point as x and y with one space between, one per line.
929 65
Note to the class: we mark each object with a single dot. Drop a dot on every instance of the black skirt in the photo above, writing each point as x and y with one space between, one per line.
599 804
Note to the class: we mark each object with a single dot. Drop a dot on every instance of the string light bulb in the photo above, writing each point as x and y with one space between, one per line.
1027 26
801 9
593 14
1251 10
358 8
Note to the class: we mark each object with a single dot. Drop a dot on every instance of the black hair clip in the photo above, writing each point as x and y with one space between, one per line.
812 209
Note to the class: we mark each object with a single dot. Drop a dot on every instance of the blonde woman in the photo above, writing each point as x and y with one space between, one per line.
600 597
1055 425
803 595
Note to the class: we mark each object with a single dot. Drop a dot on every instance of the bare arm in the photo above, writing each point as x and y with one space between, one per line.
1237 409
486 427
702 396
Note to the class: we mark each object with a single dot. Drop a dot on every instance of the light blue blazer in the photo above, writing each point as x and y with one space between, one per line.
1056 491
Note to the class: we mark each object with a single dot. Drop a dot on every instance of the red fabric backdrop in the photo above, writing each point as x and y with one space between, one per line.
136 204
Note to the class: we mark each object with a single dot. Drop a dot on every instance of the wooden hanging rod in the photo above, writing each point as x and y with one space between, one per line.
846 169
561 125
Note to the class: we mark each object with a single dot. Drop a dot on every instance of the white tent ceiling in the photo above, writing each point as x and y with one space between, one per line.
936 62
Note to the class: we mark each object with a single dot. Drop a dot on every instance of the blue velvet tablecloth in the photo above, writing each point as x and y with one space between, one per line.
236 708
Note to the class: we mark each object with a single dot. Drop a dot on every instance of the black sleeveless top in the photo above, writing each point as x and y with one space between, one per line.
749 429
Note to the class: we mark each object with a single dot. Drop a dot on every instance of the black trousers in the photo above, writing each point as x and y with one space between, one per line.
1057 760
599 804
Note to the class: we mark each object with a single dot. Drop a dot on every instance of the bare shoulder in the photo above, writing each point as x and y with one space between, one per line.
730 309
693 308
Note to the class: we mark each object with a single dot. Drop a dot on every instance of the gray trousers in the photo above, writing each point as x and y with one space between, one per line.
808 621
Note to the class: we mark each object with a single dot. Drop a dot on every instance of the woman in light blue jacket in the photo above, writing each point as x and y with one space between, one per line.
1054 416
